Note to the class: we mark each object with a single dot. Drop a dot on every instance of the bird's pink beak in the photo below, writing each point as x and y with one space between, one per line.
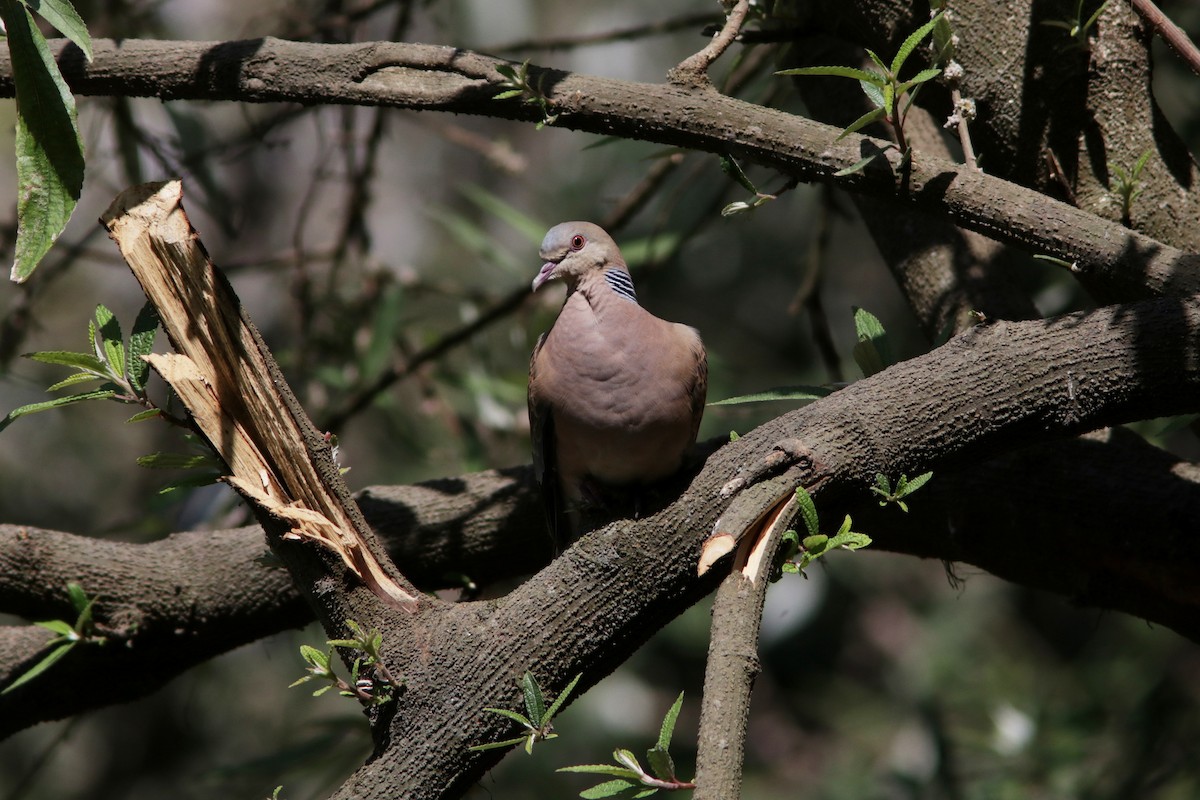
544 274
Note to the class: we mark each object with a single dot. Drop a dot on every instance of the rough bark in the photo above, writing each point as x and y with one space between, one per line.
424 77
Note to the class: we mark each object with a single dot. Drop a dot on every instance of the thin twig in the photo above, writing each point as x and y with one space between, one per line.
964 135
1170 33
693 70
605 37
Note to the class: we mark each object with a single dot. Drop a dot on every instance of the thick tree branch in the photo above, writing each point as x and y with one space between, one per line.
426 77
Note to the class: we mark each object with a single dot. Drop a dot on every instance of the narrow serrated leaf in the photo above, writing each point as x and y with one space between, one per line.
918 482
149 413
667 728
607 789
141 343
73 380
662 766
873 92
58 402
497 745
803 393
535 701
63 358
49 149
874 115
603 769
50 660
508 94
808 510
161 460
562 698
912 41
838 72
114 340
513 715
858 166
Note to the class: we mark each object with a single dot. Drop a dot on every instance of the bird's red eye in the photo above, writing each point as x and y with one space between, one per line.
577 242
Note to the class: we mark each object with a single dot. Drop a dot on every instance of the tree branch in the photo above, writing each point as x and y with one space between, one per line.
427 77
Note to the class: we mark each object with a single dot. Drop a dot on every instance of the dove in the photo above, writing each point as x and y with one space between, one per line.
615 393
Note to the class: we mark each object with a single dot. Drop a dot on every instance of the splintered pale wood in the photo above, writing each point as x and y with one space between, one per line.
227 380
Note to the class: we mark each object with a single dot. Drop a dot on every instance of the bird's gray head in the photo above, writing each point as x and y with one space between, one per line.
572 249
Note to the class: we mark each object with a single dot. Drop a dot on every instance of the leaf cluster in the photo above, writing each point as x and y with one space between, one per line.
904 487
884 88
628 778
119 366
538 717
1126 184
370 680
815 544
516 84
83 630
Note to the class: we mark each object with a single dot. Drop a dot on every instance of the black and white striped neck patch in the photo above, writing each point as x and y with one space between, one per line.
619 281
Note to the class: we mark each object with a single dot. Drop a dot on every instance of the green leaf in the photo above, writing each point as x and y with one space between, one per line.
662 766
668 724
161 460
58 402
921 77
149 413
59 626
734 170
878 62
866 119
73 380
918 482
141 343
1087 26
63 16
872 353
804 393
81 361
535 701
627 759
608 789
50 660
114 340
873 92
79 598
513 715
603 769
191 482
839 72
498 745
808 510
560 700
318 658
49 149
858 166
912 41
509 93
